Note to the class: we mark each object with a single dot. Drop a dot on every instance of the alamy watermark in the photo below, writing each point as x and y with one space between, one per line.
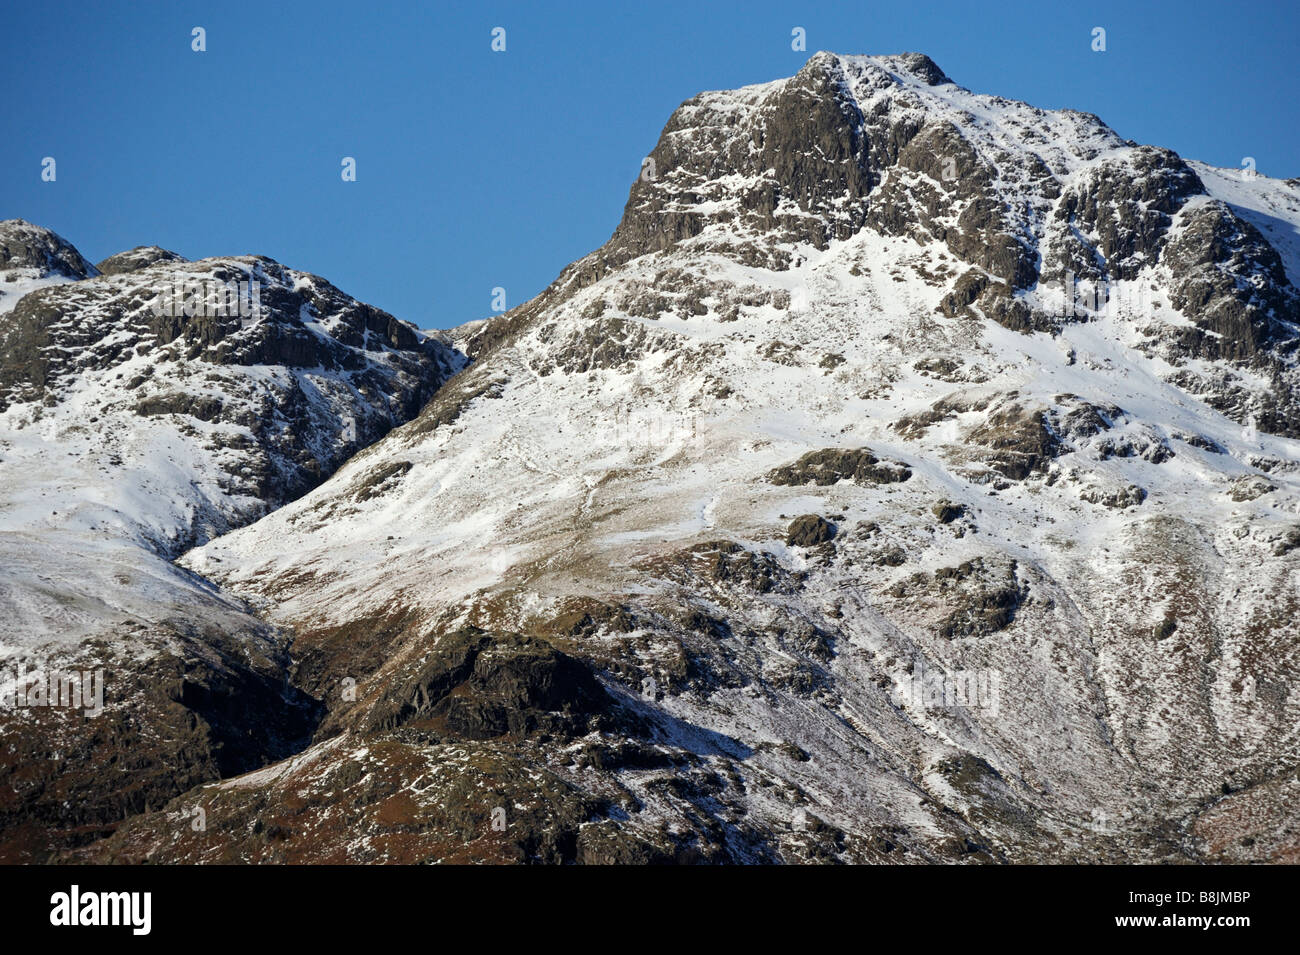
646 428
62 689
1102 298
75 907
961 689
195 298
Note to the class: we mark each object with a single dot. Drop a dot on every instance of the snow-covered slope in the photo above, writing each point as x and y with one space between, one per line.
913 476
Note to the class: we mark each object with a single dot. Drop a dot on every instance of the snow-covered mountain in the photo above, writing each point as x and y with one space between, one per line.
912 476
131 431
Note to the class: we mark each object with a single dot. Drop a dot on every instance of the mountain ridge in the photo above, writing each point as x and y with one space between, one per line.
1019 263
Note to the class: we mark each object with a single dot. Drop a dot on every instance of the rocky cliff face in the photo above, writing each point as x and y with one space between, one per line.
1048 215
912 477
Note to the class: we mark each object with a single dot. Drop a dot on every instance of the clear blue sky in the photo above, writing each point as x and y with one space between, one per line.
478 169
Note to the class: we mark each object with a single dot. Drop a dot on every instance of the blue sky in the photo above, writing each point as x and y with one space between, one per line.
478 169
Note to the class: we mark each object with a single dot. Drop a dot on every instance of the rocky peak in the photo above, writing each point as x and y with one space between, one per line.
802 160
141 257
291 372
916 66
792 160
1040 208
39 252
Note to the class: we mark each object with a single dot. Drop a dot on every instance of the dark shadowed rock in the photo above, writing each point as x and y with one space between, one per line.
480 685
831 465
1125 207
945 512
809 530
1229 280
1021 439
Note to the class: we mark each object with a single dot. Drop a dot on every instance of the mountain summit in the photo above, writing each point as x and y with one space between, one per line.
1046 215
912 476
